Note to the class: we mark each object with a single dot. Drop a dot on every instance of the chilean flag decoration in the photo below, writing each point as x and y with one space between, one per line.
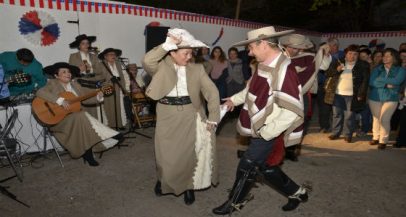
39 28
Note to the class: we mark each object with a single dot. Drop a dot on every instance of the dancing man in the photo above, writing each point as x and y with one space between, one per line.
273 107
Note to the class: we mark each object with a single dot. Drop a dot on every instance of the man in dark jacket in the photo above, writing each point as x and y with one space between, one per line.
346 89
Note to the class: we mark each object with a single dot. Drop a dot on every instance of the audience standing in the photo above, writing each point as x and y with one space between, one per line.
346 91
219 62
385 83
235 79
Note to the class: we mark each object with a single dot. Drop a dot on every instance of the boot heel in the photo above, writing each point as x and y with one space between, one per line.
189 197
158 189
88 157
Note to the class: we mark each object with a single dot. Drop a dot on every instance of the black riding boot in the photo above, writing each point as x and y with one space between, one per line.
292 152
245 179
277 178
88 157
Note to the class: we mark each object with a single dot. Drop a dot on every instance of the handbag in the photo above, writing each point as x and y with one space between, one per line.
327 82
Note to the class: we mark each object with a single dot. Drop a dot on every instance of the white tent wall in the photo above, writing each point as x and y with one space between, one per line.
391 39
122 26
128 34
119 30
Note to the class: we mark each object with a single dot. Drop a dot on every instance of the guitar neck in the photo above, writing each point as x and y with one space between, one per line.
86 96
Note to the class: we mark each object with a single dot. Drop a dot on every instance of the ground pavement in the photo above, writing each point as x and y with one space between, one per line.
348 180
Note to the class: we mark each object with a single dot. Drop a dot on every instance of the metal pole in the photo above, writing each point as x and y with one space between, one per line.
237 10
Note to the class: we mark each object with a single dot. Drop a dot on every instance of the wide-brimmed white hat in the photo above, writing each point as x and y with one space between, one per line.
187 39
262 34
297 41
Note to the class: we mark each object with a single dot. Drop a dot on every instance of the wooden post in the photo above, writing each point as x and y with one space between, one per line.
237 10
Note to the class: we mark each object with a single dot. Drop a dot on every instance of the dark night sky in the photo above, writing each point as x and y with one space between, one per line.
370 15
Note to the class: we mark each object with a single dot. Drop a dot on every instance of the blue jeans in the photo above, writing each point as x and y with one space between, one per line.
324 110
343 117
366 119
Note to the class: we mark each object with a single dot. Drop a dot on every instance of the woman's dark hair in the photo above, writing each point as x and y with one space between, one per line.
395 54
25 55
199 58
376 52
232 49
222 56
352 47
365 50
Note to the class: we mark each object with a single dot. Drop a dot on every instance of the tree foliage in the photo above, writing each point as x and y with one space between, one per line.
319 3
317 15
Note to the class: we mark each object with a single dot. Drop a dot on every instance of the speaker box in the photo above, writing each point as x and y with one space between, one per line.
154 36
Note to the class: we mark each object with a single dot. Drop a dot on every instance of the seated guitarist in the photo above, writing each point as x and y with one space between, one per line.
78 132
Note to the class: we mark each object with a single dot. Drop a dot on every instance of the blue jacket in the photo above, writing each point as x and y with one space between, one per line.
379 79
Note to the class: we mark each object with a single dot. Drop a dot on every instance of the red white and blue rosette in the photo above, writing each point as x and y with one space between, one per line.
39 28
377 44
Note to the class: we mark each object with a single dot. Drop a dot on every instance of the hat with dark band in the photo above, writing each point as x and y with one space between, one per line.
261 34
118 52
80 38
53 69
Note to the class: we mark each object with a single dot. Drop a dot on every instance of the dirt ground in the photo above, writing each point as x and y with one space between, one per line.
351 180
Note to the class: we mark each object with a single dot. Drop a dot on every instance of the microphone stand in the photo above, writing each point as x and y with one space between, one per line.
116 82
132 126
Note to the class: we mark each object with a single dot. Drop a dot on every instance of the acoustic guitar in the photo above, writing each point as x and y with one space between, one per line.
18 79
51 113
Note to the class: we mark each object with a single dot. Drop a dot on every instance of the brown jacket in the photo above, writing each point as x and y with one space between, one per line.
50 92
75 131
76 60
109 100
164 78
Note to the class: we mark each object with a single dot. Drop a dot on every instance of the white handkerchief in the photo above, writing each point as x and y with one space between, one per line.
223 111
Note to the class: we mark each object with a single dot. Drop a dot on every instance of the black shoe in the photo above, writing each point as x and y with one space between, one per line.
157 189
224 209
189 197
239 194
240 153
373 142
88 157
381 146
119 137
348 139
398 145
333 137
322 130
295 200
291 156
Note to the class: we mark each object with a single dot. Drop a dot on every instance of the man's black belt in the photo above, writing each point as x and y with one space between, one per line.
182 100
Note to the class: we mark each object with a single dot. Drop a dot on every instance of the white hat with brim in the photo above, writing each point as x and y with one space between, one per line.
187 39
262 34
297 41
